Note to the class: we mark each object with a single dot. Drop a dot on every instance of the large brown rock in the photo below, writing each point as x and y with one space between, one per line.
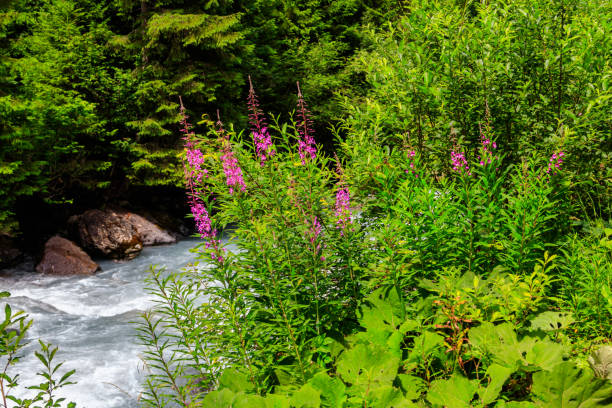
150 233
63 257
106 233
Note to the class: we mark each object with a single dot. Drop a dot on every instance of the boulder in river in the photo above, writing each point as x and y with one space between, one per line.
63 257
106 233
150 233
10 254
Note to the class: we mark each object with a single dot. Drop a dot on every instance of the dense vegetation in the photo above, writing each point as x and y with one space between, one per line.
448 245
89 90
379 280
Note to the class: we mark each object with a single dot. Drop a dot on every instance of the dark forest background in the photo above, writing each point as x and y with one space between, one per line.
89 90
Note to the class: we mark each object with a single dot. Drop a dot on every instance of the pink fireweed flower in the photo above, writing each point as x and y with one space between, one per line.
487 148
315 230
231 168
263 144
459 162
555 162
206 230
411 158
195 159
306 143
343 200
261 138
233 172
202 220
313 233
343 208
194 174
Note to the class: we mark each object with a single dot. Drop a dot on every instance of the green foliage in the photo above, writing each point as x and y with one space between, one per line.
431 289
13 331
542 68
586 275
383 382
89 90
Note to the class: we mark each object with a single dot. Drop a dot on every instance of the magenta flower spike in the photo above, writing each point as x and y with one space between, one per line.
412 168
343 208
194 175
194 170
261 138
555 162
343 202
459 162
231 168
487 144
233 172
306 143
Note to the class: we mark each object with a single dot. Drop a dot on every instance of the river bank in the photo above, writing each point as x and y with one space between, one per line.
89 318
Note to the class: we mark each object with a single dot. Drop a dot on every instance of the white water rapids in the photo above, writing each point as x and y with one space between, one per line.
89 319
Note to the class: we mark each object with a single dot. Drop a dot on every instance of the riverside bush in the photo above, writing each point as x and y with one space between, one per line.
541 67
371 279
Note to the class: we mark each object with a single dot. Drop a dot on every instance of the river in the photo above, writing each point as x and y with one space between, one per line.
89 319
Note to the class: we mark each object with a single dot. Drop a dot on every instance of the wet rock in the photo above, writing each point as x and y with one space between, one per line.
174 225
150 233
10 254
106 233
64 257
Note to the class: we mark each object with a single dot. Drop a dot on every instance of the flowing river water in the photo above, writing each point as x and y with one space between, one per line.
90 320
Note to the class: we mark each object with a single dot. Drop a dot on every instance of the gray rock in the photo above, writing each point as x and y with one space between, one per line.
106 233
150 233
63 257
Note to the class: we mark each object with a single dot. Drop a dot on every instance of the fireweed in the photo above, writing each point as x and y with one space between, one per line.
434 269
487 144
410 155
342 207
306 142
555 162
459 162
261 137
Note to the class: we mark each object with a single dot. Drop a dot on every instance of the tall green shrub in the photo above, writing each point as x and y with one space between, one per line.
372 281
542 69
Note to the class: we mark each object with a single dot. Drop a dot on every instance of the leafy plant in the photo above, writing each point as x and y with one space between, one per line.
13 332
410 287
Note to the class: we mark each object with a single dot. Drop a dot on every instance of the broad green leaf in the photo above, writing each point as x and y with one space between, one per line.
248 401
388 397
456 392
332 390
368 364
277 401
412 386
235 380
219 399
545 354
548 321
570 387
498 375
424 345
306 397
382 312
499 342
515 404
